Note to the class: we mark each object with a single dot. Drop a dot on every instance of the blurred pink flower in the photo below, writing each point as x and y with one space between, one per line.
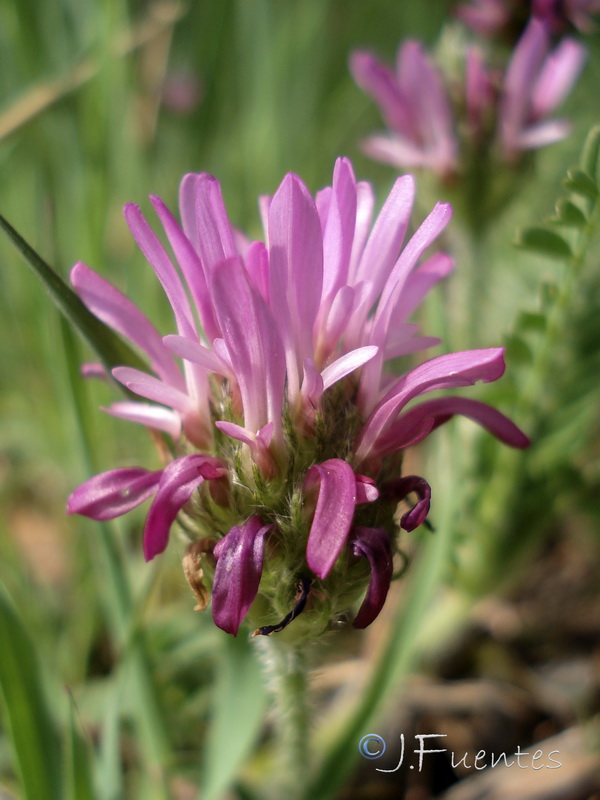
490 17
511 112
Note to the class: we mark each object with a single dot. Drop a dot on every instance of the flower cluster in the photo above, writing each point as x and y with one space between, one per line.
285 432
490 17
505 114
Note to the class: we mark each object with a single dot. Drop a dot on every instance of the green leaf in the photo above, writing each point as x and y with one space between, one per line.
78 760
580 183
567 213
531 321
240 704
517 350
111 349
590 155
545 242
30 724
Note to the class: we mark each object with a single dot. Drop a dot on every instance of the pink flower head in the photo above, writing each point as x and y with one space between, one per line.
508 112
490 17
282 422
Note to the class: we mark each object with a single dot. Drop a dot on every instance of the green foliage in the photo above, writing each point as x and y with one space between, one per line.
111 350
155 689
31 723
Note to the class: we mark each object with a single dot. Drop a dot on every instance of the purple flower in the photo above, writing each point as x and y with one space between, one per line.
490 17
282 423
509 113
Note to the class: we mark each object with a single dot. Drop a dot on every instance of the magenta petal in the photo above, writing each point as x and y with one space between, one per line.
444 372
179 480
442 409
237 575
373 544
399 489
333 514
113 493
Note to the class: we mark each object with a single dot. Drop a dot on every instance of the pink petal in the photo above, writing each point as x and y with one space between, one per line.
445 372
425 235
157 257
442 409
205 220
295 271
191 267
153 389
113 493
346 364
179 480
333 516
155 417
113 308
338 234
237 575
253 343
365 201
196 353
380 82
557 77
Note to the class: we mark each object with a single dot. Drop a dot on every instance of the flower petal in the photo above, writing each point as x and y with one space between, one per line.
295 271
373 544
160 419
111 306
157 257
399 489
237 575
113 493
442 409
333 514
253 343
153 389
346 364
444 372
178 482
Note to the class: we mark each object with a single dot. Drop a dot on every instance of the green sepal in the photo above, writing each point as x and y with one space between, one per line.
544 242
109 347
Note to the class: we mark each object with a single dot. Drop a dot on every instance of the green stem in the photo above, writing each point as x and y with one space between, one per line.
289 673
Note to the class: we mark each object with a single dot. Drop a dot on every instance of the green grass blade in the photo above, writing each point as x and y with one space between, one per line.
78 761
111 349
32 729
240 703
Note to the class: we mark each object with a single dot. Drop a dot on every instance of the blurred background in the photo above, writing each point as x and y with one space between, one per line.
112 686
